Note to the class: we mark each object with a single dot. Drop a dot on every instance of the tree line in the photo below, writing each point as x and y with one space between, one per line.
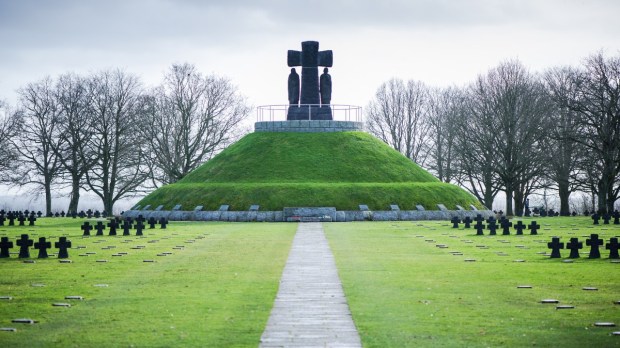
106 133
512 131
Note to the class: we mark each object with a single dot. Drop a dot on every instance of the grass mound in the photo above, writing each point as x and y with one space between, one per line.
277 170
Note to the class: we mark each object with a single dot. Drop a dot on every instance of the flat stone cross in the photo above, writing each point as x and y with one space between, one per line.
21 220
62 245
42 245
613 246
113 225
616 216
467 221
126 227
506 224
31 220
455 222
533 227
492 227
163 222
479 228
24 243
606 218
478 218
152 222
5 245
139 228
310 58
86 227
594 243
574 245
555 247
595 218
2 219
100 227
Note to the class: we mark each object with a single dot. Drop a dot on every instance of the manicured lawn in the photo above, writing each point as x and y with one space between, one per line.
404 291
216 291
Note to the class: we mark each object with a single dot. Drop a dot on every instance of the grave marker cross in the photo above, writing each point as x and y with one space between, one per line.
492 227
163 222
595 218
5 245
455 222
594 243
24 243
100 227
467 221
616 216
139 228
42 245
533 227
86 227
506 224
31 220
479 228
555 247
574 245
152 222
613 246
113 225
62 245
127 225
519 227
21 220
606 218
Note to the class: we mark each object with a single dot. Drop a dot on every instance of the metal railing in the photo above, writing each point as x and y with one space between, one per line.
339 112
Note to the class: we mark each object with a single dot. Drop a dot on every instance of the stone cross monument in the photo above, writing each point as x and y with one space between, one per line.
309 106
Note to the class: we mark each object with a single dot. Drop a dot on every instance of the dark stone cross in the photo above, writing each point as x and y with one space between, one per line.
467 221
478 218
140 218
613 246
555 247
11 218
97 214
490 219
506 225
100 227
127 225
479 228
616 216
519 226
2 219
492 226
455 222
86 227
5 245
594 243
152 222
62 245
113 225
42 245
139 227
309 58
533 227
21 220
31 220
595 218
574 245
606 218
163 222
24 243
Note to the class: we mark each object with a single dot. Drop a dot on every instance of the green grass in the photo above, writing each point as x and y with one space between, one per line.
277 170
406 292
216 292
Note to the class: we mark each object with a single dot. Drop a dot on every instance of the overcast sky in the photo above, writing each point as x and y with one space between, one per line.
440 42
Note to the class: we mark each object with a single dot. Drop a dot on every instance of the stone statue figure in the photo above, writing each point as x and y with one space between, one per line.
325 87
293 87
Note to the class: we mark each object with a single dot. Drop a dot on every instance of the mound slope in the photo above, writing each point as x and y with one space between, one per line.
340 169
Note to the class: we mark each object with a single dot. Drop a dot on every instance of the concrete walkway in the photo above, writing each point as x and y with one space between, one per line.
310 309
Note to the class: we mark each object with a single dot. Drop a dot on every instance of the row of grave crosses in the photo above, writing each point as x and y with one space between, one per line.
606 218
12 216
126 225
574 245
24 243
493 226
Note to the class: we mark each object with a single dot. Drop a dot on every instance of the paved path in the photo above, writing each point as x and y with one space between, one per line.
310 309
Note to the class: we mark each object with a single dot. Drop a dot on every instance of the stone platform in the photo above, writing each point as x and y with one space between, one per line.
309 126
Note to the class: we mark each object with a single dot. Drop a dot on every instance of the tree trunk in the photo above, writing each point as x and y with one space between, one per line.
518 195
48 198
564 193
509 194
75 195
602 197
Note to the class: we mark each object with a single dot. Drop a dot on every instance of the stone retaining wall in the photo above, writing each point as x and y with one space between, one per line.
306 126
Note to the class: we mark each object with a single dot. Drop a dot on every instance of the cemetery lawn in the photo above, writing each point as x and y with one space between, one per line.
404 291
216 289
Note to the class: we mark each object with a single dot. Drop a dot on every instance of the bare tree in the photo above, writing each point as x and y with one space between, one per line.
9 126
39 165
190 117
114 146
398 115
595 99
73 98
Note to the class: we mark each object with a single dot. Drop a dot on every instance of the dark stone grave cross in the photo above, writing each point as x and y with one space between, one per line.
127 225
613 246
574 245
86 227
11 218
606 218
478 218
467 221
113 225
139 227
62 245
616 216
100 227
506 225
42 245
24 243
594 243
152 222
490 219
5 245
309 58
519 227
2 219
479 226
492 226
455 222
21 220
31 220
595 218
555 247
533 227
163 222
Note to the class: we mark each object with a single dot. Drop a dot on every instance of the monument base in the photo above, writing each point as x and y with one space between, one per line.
309 112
